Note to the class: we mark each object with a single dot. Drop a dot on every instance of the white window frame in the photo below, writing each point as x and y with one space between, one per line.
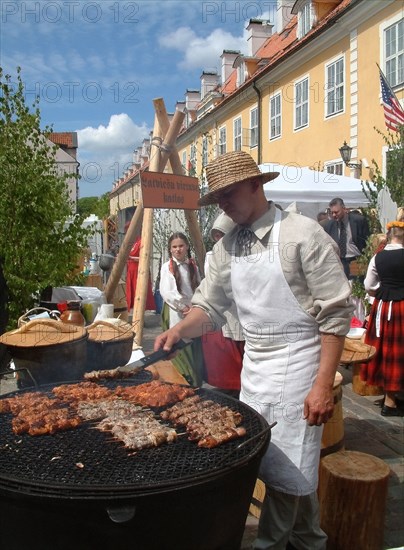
335 87
393 52
334 167
204 151
237 134
254 127
305 19
301 101
241 74
184 160
222 140
192 156
275 116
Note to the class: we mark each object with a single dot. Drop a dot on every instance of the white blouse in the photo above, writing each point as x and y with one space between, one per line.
372 281
178 301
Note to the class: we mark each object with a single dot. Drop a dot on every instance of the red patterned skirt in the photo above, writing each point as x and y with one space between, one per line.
386 369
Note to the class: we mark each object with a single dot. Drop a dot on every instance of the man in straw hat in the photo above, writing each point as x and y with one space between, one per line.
282 272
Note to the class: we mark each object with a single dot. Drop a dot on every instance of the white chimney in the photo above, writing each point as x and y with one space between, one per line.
283 13
180 106
228 57
192 99
258 32
209 81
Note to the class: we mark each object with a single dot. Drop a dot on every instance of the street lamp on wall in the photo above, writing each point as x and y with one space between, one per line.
346 152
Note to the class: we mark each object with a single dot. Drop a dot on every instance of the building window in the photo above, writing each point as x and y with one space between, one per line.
241 74
184 160
335 87
335 168
275 116
204 151
394 53
237 133
192 161
222 140
305 19
301 104
254 127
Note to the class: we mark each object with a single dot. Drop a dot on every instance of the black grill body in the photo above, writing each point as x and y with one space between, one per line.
176 496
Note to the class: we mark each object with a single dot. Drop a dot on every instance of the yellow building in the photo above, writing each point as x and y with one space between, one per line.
299 94
304 90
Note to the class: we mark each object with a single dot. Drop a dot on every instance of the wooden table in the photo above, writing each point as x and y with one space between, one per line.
357 352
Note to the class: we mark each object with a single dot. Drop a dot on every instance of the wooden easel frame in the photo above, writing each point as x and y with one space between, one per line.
162 149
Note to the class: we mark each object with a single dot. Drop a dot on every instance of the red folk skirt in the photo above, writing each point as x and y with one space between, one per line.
131 282
223 359
386 369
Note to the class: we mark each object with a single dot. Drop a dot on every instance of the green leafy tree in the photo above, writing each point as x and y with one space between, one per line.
40 240
87 206
94 205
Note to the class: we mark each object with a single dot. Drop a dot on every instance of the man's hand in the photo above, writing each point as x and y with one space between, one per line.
319 405
167 339
191 326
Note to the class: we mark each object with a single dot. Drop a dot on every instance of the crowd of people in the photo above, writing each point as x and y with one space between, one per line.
268 323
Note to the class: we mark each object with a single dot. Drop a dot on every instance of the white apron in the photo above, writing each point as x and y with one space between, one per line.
281 360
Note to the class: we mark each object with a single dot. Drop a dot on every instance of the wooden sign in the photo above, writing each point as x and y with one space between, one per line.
169 191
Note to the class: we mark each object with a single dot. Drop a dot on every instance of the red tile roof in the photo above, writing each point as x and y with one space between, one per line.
67 139
279 45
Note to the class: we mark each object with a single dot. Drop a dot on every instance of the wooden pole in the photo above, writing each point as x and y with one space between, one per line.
177 168
123 254
146 248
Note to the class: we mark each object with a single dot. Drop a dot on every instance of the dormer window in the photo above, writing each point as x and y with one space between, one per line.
241 74
306 15
305 19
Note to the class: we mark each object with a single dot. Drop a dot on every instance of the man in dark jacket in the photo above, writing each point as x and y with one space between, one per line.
350 230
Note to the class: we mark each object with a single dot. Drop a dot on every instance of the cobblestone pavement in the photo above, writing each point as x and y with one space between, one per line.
365 430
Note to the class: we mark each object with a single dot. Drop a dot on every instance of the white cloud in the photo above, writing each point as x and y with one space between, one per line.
202 52
106 152
121 132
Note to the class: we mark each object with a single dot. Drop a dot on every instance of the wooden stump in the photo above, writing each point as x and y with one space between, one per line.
352 497
257 498
360 387
333 433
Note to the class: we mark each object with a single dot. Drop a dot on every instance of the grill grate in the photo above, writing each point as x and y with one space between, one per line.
48 465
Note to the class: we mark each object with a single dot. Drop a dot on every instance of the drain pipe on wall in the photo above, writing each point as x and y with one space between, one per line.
257 91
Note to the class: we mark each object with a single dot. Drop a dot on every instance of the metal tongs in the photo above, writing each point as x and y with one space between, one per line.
136 366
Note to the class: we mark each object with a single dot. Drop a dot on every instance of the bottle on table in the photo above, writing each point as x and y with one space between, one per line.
72 314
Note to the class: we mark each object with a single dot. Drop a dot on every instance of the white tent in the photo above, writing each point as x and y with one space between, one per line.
311 190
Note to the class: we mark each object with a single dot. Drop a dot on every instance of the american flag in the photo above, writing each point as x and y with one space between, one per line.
393 112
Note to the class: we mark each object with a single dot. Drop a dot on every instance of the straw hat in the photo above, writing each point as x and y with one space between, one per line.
229 169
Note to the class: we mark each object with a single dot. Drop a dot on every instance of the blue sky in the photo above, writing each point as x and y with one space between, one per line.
97 66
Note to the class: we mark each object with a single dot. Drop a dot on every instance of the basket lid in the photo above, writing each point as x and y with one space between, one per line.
104 331
42 332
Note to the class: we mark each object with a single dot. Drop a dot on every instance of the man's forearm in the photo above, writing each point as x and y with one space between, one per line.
331 350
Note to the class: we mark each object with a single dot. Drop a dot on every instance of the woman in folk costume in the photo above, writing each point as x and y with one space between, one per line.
223 349
179 278
132 268
385 281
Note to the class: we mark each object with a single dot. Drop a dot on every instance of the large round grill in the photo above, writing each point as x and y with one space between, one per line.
85 462
80 489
